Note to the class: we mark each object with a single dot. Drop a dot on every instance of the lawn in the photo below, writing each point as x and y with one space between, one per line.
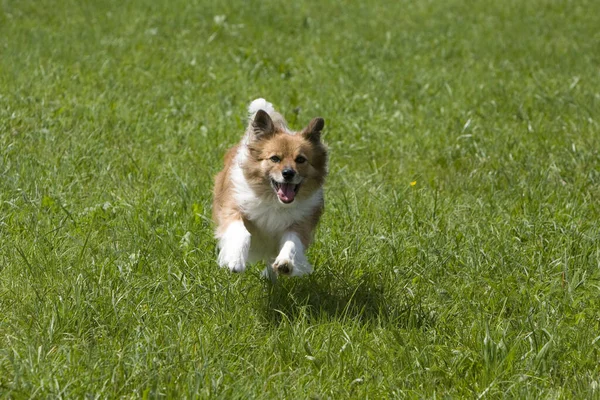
459 253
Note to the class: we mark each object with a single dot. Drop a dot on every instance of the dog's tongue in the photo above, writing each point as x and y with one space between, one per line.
286 192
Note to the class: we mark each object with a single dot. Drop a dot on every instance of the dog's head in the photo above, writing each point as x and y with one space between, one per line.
287 165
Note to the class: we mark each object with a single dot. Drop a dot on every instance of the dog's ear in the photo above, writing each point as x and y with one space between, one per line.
262 126
313 131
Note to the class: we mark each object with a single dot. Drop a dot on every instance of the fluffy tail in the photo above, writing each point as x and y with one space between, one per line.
260 104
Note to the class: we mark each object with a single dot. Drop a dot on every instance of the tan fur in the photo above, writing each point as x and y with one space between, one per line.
287 147
225 210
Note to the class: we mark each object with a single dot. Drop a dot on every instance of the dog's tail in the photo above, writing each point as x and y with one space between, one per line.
262 104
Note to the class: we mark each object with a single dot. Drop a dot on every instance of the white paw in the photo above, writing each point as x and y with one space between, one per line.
289 267
234 245
283 266
236 267
235 263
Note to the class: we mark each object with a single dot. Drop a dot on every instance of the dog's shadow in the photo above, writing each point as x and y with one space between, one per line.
361 299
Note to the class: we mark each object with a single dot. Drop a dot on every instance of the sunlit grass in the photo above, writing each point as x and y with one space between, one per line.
459 253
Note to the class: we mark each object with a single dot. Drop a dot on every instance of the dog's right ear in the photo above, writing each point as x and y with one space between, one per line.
262 126
313 131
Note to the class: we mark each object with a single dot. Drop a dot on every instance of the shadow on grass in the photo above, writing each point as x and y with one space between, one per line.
360 299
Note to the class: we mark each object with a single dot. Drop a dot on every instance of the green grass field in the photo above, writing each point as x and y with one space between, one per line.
480 280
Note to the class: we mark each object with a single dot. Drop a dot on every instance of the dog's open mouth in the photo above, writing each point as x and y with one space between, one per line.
285 191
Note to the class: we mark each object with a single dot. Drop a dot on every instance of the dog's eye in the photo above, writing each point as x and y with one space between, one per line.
300 160
275 159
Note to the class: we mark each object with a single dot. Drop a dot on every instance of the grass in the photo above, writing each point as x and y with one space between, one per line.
482 280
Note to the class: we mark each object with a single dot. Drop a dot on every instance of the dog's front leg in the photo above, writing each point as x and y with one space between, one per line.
234 245
291 259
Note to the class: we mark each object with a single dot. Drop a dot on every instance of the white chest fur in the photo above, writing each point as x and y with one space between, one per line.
269 215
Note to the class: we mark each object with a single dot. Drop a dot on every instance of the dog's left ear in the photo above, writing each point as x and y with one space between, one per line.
313 131
262 125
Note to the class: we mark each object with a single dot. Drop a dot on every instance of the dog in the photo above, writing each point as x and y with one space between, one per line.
268 198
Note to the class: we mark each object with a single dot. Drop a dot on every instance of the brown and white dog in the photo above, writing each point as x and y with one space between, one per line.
269 196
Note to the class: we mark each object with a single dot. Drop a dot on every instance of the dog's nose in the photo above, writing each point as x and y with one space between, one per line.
288 174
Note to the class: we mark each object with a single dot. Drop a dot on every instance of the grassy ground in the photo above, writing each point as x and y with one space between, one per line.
480 280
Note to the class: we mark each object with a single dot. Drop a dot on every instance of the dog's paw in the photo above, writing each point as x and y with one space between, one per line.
287 267
236 266
283 266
